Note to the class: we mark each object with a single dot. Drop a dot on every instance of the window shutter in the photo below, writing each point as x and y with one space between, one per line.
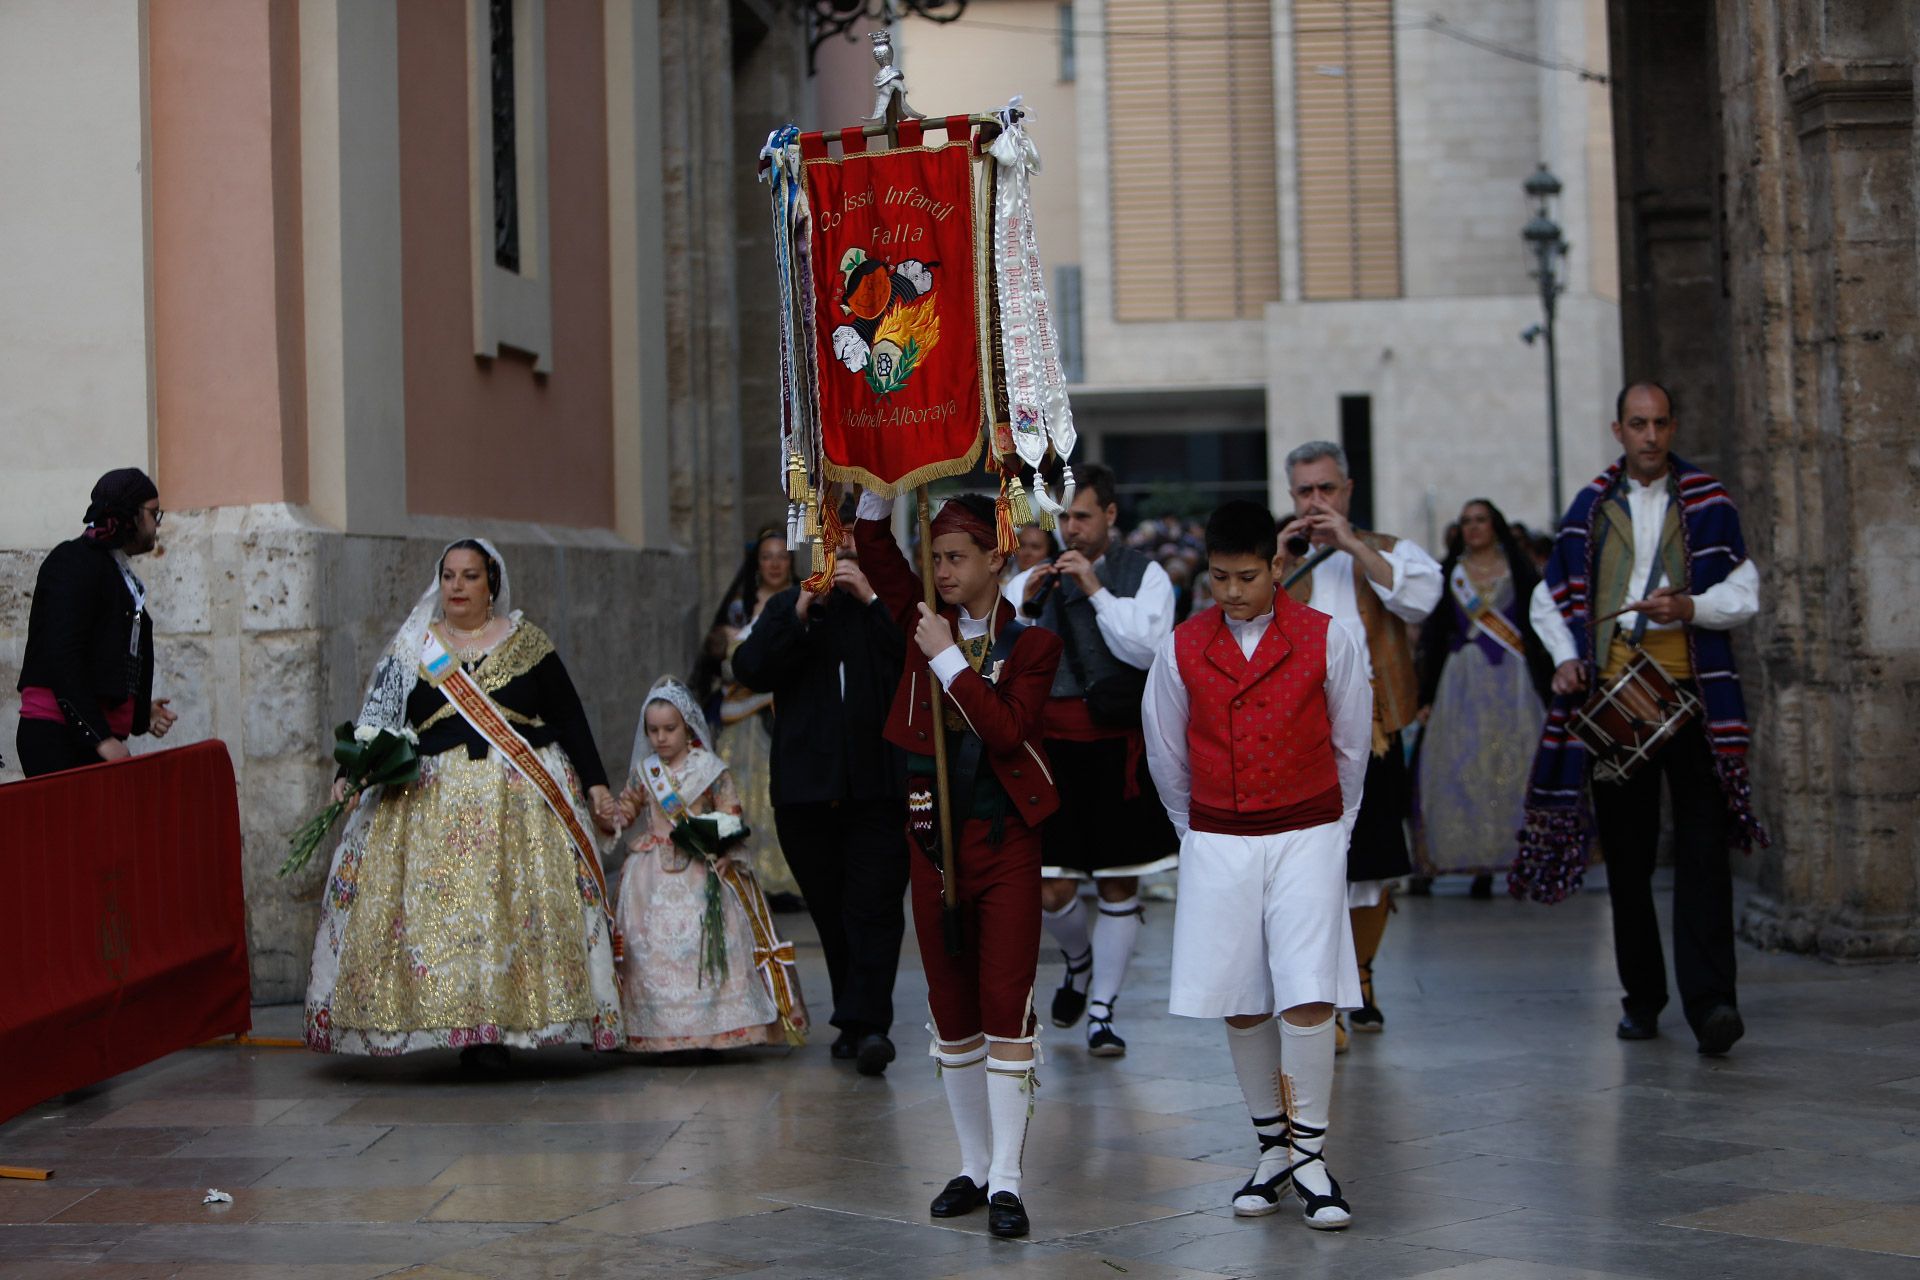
1348 149
1190 138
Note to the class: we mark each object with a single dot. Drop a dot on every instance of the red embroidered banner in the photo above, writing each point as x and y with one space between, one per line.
894 311
123 932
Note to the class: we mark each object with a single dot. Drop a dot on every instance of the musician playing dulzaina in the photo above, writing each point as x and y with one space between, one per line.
1382 585
995 675
1659 538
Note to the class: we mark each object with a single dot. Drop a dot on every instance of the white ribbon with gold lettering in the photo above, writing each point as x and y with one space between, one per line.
1030 349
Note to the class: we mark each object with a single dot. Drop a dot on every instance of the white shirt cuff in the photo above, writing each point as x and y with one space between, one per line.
947 664
873 507
1101 599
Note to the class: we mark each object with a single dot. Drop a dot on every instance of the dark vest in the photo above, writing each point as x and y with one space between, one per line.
1069 615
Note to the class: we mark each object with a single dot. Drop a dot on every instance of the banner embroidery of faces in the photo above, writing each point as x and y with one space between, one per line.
895 313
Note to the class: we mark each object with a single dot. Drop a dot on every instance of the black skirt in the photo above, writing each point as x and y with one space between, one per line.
1096 827
1379 847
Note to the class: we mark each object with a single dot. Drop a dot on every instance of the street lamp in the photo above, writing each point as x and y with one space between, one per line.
1549 250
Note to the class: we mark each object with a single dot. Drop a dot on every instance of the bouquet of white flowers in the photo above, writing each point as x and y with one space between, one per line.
370 757
708 837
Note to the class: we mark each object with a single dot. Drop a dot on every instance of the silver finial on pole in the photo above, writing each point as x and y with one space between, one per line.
889 82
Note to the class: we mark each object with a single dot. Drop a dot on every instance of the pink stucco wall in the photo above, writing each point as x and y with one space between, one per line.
490 438
229 368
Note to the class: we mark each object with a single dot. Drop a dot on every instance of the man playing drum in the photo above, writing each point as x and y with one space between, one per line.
1650 558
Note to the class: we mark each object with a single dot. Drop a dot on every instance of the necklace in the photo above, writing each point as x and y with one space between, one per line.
467 649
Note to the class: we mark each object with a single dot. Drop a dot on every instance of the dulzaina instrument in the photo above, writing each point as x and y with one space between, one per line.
1624 723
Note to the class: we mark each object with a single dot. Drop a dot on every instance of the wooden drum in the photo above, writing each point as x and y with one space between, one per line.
1631 718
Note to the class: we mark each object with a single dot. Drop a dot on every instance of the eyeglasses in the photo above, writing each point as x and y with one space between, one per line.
157 514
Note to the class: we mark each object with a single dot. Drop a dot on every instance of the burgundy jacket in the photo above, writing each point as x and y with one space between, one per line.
1006 713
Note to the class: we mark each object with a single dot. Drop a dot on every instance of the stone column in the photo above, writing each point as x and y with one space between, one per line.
1817 134
702 301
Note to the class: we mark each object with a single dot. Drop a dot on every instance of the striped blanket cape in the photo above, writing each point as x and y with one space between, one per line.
1553 844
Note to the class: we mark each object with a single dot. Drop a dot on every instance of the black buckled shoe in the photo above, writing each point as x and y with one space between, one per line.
1069 1002
1102 1041
1634 1027
1006 1216
959 1198
1368 1016
1719 1030
486 1059
875 1051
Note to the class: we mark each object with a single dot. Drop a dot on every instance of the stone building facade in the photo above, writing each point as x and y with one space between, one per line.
1770 173
261 255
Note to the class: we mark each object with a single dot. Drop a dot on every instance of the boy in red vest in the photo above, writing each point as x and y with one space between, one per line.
1259 722
995 675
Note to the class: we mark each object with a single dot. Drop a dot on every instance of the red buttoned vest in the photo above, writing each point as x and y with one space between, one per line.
1258 737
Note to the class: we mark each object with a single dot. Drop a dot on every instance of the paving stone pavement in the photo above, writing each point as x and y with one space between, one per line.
1495 1131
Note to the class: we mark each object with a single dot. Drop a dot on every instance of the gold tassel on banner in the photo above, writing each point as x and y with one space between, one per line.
1022 508
799 488
1006 532
810 527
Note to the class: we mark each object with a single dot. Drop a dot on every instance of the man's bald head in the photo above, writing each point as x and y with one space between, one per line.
1620 401
1643 424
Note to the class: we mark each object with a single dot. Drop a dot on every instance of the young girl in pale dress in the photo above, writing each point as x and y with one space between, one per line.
669 1003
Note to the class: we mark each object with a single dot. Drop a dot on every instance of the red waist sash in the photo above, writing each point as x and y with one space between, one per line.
1315 811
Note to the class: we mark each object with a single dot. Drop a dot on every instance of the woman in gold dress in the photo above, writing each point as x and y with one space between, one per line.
744 718
462 910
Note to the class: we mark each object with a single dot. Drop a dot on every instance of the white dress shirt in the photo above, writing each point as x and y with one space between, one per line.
1164 710
950 662
1133 626
1416 588
1721 607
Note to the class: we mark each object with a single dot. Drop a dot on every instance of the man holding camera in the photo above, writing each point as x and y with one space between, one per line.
1111 606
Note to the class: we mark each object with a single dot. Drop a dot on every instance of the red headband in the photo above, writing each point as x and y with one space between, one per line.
955 518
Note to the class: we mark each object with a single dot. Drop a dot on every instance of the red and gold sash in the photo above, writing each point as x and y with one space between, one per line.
439 669
1481 614
773 957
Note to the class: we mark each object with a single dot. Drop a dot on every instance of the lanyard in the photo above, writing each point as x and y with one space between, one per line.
138 591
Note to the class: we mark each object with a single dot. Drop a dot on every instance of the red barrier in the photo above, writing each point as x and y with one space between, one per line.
122 920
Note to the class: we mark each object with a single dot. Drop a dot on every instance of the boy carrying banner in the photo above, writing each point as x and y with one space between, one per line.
1259 723
996 675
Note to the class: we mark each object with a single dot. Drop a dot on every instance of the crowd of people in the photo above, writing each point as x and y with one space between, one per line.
1268 704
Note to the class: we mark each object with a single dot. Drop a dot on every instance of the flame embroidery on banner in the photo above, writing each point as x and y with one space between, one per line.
893 321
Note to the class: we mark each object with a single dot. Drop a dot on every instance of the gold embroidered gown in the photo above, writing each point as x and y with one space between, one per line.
456 912
745 743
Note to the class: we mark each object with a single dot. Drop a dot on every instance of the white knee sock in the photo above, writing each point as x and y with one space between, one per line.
1113 941
1307 1058
1009 1095
965 1076
1068 928
1256 1061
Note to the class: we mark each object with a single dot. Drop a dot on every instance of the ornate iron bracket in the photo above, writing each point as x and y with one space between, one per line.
828 18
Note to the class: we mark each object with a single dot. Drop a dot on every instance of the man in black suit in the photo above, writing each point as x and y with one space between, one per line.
86 682
838 789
